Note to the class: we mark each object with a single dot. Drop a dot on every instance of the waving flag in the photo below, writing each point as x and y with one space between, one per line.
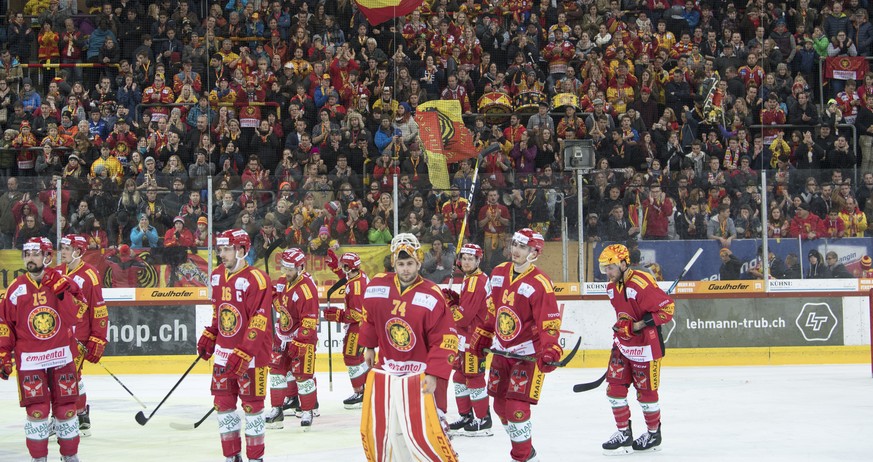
444 138
379 11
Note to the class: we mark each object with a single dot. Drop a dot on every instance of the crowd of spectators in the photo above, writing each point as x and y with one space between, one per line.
301 112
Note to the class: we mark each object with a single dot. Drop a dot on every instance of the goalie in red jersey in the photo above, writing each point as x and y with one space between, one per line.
469 309
407 318
238 338
37 317
349 267
526 321
641 307
93 317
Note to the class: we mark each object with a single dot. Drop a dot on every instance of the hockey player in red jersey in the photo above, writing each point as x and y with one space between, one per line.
641 307
349 267
469 309
37 317
526 322
238 338
407 318
93 317
295 341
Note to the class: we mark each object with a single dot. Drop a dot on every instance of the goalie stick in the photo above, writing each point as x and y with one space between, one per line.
579 388
140 416
185 427
533 359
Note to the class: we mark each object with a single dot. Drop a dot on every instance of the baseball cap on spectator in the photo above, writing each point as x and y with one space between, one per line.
414 146
646 89
832 101
597 101
202 221
325 76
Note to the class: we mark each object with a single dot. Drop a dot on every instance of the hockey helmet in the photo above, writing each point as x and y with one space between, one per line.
408 243
76 241
293 258
351 259
38 243
235 237
530 238
613 255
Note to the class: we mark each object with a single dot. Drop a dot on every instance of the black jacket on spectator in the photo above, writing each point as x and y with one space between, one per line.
730 270
691 227
796 112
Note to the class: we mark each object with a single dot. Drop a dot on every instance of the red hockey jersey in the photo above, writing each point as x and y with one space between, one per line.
355 288
526 317
639 298
413 329
472 306
298 310
93 317
240 302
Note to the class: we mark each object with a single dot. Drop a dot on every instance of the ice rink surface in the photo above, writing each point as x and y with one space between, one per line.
772 413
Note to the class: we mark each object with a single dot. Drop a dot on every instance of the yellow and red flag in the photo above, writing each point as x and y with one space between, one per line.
379 11
442 130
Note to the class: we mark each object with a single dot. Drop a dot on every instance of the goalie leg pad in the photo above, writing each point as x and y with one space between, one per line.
399 420
519 428
36 429
255 429
229 425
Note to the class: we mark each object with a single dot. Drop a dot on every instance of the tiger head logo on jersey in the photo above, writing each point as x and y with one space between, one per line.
284 319
508 324
43 322
229 322
400 334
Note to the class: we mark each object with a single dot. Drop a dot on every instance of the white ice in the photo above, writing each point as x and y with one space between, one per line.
777 413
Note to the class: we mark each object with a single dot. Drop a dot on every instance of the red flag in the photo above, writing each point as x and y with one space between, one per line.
379 11
442 130
846 67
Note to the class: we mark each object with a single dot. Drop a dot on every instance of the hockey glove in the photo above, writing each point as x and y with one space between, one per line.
551 354
624 328
206 344
94 348
480 340
333 314
294 348
5 364
238 362
332 260
452 297
59 283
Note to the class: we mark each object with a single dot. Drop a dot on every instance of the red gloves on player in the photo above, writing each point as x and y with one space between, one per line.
206 344
333 263
479 341
333 314
5 364
550 354
452 297
624 328
59 283
238 362
94 348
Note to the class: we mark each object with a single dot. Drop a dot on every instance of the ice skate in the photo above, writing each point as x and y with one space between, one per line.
292 404
275 419
621 442
73 458
457 427
306 420
649 441
299 412
85 422
355 401
236 458
40 459
478 427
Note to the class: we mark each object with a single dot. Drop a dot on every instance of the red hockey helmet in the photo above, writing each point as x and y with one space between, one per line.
530 238
235 237
75 241
471 249
293 258
39 243
351 259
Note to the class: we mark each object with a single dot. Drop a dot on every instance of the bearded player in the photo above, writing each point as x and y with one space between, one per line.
36 326
407 318
469 309
295 341
237 337
93 317
526 322
641 307
349 267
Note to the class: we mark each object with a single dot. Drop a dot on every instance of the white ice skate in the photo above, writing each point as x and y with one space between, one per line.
306 420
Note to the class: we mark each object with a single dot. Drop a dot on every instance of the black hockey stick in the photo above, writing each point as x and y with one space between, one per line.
140 416
185 427
116 379
330 292
579 388
533 359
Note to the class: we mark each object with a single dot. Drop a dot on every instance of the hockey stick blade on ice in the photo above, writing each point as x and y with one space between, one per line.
186 427
579 388
140 416
533 359
117 380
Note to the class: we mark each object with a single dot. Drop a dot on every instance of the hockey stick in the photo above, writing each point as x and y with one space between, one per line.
579 388
330 292
491 148
533 359
186 427
114 377
140 416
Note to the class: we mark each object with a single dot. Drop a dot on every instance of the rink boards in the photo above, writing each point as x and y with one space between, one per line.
734 324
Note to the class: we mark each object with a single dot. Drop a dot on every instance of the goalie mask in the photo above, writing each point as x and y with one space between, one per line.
406 243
